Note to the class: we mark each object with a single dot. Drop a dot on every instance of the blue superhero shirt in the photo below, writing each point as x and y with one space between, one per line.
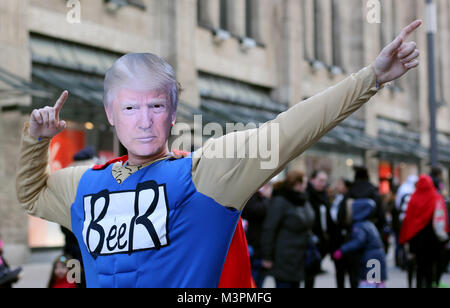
153 230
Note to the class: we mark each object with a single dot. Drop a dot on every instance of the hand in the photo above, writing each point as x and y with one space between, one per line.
398 57
267 264
45 122
180 154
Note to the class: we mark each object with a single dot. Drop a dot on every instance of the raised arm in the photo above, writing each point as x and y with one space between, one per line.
231 181
41 194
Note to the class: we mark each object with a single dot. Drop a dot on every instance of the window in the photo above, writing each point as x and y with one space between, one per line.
223 23
440 61
308 30
249 18
200 11
206 17
117 4
318 33
397 84
336 33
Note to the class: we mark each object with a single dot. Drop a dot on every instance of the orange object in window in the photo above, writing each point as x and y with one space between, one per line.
384 173
64 146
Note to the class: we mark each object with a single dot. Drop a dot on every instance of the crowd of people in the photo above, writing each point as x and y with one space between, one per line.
294 224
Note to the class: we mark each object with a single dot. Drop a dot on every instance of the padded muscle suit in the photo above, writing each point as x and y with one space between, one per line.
169 223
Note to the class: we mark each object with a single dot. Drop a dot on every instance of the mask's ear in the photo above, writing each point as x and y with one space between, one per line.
109 115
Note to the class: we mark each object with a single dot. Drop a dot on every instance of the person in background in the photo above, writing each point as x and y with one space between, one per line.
362 189
287 232
85 157
58 277
365 242
388 205
340 235
317 194
425 228
404 194
438 180
72 248
8 277
403 258
342 187
255 214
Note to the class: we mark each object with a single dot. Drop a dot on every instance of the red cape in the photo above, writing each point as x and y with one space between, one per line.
237 271
420 209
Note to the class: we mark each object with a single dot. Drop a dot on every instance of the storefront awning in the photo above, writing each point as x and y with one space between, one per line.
88 88
444 154
401 146
231 101
12 85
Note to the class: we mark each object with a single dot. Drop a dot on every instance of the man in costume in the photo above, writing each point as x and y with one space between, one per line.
152 219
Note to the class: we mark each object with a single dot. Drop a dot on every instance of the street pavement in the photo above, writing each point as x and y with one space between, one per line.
36 273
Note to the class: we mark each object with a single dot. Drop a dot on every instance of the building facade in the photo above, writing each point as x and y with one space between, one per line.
238 61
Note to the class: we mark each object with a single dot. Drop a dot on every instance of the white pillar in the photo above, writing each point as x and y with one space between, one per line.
236 17
325 31
209 13
352 35
308 24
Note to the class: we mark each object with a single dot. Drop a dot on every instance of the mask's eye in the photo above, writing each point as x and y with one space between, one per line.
129 107
158 108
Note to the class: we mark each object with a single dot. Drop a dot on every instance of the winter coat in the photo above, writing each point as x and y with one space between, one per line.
255 213
323 224
365 239
285 236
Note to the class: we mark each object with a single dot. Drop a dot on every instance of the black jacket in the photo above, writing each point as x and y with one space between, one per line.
285 236
323 224
255 213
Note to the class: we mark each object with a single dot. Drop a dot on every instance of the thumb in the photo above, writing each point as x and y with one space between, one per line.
62 125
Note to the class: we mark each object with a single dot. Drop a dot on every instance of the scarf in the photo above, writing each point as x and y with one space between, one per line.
294 197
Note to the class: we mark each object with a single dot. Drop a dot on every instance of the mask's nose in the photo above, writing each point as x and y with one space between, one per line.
145 120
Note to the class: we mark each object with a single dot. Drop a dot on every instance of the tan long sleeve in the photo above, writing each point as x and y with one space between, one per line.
232 181
41 194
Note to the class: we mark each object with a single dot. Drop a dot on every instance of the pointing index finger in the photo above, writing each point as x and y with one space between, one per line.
61 100
410 29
